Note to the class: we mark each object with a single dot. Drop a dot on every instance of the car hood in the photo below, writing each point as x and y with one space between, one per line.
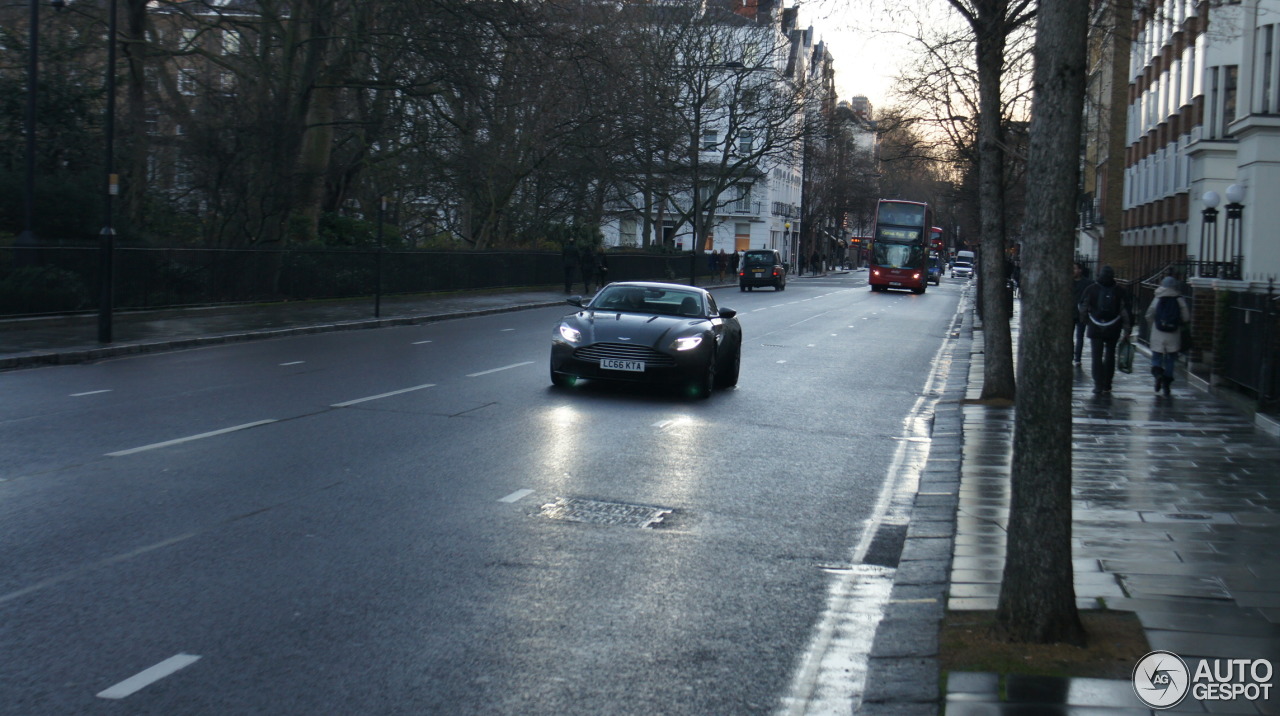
636 328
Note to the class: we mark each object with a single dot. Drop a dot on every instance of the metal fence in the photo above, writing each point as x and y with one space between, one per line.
65 279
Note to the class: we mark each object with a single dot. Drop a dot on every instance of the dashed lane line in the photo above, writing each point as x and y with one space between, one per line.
495 370
147 677
382 395
189 438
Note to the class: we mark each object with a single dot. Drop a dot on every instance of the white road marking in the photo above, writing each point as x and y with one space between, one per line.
419 343
143 679
91 392
95 565
189 438
495 370
382 395
296 362
832 673
663 424
516 496
781 362
504 330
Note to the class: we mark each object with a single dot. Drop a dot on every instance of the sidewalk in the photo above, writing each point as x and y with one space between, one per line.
1176 518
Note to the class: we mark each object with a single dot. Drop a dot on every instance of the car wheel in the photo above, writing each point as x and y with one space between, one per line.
706 383
728 377
742 287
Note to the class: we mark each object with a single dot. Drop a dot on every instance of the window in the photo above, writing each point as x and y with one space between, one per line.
230 42
1229 97
186 82
710 138
741 236
743 204
745 142
627 232
1268 38
188 38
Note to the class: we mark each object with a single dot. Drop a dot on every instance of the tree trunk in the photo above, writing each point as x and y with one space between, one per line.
998 380
1037 598
137 147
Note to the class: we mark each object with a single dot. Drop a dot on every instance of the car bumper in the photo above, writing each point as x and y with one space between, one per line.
676 367
763 280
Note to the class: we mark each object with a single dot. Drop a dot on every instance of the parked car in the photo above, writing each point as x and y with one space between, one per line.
648 332
762 267
961 269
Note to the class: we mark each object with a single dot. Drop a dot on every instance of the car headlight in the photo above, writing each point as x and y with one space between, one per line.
687 343
570 334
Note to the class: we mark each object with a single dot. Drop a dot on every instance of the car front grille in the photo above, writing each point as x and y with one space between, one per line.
624 351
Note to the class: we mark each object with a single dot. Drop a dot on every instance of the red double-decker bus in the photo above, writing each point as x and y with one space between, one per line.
900 245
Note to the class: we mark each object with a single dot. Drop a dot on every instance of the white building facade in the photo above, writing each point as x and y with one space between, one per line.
1204 117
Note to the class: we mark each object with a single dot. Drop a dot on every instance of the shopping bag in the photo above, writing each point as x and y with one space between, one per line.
1124 357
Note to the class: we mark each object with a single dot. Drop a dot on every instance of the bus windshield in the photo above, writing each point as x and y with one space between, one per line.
891 255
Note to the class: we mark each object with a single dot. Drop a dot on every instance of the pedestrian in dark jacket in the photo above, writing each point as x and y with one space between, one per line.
1082 280
1166 323
569 260
587 264
1107 307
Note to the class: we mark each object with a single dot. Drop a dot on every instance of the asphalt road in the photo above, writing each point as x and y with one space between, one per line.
358 522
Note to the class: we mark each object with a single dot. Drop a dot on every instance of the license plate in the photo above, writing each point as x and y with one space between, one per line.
635 366
895 283
758 272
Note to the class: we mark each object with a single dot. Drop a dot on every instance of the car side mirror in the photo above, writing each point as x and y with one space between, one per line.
574 301
727 313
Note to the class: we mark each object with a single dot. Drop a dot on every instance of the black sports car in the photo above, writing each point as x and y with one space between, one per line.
641 331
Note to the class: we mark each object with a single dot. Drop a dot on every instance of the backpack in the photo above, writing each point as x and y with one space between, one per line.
1106 306
1168 314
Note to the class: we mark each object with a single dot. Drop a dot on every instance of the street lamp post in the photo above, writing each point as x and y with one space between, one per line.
1209 234
28 236
377 294
1233 242
107 244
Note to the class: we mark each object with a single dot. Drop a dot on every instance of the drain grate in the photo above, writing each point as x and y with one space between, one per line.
573 509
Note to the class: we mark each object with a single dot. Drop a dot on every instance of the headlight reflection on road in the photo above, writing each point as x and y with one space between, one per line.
563 432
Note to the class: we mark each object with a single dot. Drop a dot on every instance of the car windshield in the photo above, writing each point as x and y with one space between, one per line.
758 259
648 299
963 264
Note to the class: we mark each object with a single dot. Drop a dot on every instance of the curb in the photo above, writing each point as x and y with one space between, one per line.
903 674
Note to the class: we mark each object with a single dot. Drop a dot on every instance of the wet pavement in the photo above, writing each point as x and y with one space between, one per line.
1177 505
1176 515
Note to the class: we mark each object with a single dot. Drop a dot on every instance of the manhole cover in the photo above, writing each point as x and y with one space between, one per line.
572 509
1188 516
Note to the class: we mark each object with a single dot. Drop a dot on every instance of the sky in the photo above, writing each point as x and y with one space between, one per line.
865 38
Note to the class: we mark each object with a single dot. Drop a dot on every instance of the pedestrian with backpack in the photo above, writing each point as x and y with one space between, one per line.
1166 315
1106 306
1079 282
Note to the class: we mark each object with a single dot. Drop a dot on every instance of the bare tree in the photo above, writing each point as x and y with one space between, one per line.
992 22
1037 597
